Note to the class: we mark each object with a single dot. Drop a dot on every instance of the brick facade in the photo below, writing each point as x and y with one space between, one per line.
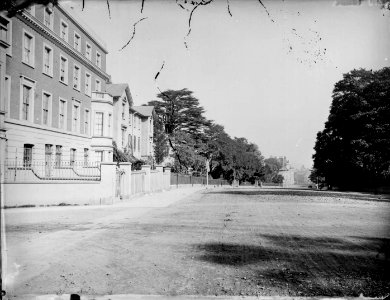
78 114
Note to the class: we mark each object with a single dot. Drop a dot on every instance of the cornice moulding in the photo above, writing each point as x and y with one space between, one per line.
27 18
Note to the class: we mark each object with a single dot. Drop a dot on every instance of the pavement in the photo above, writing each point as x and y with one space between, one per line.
80 218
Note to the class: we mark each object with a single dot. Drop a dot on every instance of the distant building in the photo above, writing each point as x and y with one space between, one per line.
301 176
286 171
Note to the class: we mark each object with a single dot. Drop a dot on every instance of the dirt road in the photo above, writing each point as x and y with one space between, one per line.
214 242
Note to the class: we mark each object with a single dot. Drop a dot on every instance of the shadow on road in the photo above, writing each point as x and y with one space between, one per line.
309 266
302 193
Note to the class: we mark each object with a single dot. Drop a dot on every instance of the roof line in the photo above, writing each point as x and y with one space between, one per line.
84 27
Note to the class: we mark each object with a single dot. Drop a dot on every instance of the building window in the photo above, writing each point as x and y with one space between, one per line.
123 137
62 114
47 60
7 84
27 101
64 30
63 69
98 85
86 156
46 108
27 155
27 91
76 77
28 48
75 117
72 156
86 122
135 144
98 59
88 51
130 142
99 155
48 152
139 144
58 155
48 149
88 88
48 18
6 33
99 124
123 110
77 42
109 124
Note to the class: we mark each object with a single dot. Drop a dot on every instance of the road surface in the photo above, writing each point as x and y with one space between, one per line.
231 241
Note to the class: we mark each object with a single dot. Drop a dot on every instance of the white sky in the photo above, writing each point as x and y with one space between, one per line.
255 77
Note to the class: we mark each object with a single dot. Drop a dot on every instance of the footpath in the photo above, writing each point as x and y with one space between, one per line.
31 233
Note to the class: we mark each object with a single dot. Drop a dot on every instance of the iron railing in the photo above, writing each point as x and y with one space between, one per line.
178 179
33 170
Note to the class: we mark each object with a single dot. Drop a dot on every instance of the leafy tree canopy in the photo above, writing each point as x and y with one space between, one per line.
180 111
196 140
354 148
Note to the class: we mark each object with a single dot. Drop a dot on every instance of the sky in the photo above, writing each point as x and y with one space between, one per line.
264 74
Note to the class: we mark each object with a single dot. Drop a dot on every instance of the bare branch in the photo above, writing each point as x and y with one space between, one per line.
203 2
108 7
181 6
142 6
158 73
190 18
228 7
132 36
266 10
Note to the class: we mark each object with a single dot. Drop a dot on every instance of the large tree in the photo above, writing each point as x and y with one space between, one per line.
161 148
232 158
354 148
271 170
179 112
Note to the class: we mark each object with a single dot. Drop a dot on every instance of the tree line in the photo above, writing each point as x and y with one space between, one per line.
196 143
353 150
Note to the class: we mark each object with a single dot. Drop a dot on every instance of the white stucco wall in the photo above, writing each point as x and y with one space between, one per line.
69 192
22 132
